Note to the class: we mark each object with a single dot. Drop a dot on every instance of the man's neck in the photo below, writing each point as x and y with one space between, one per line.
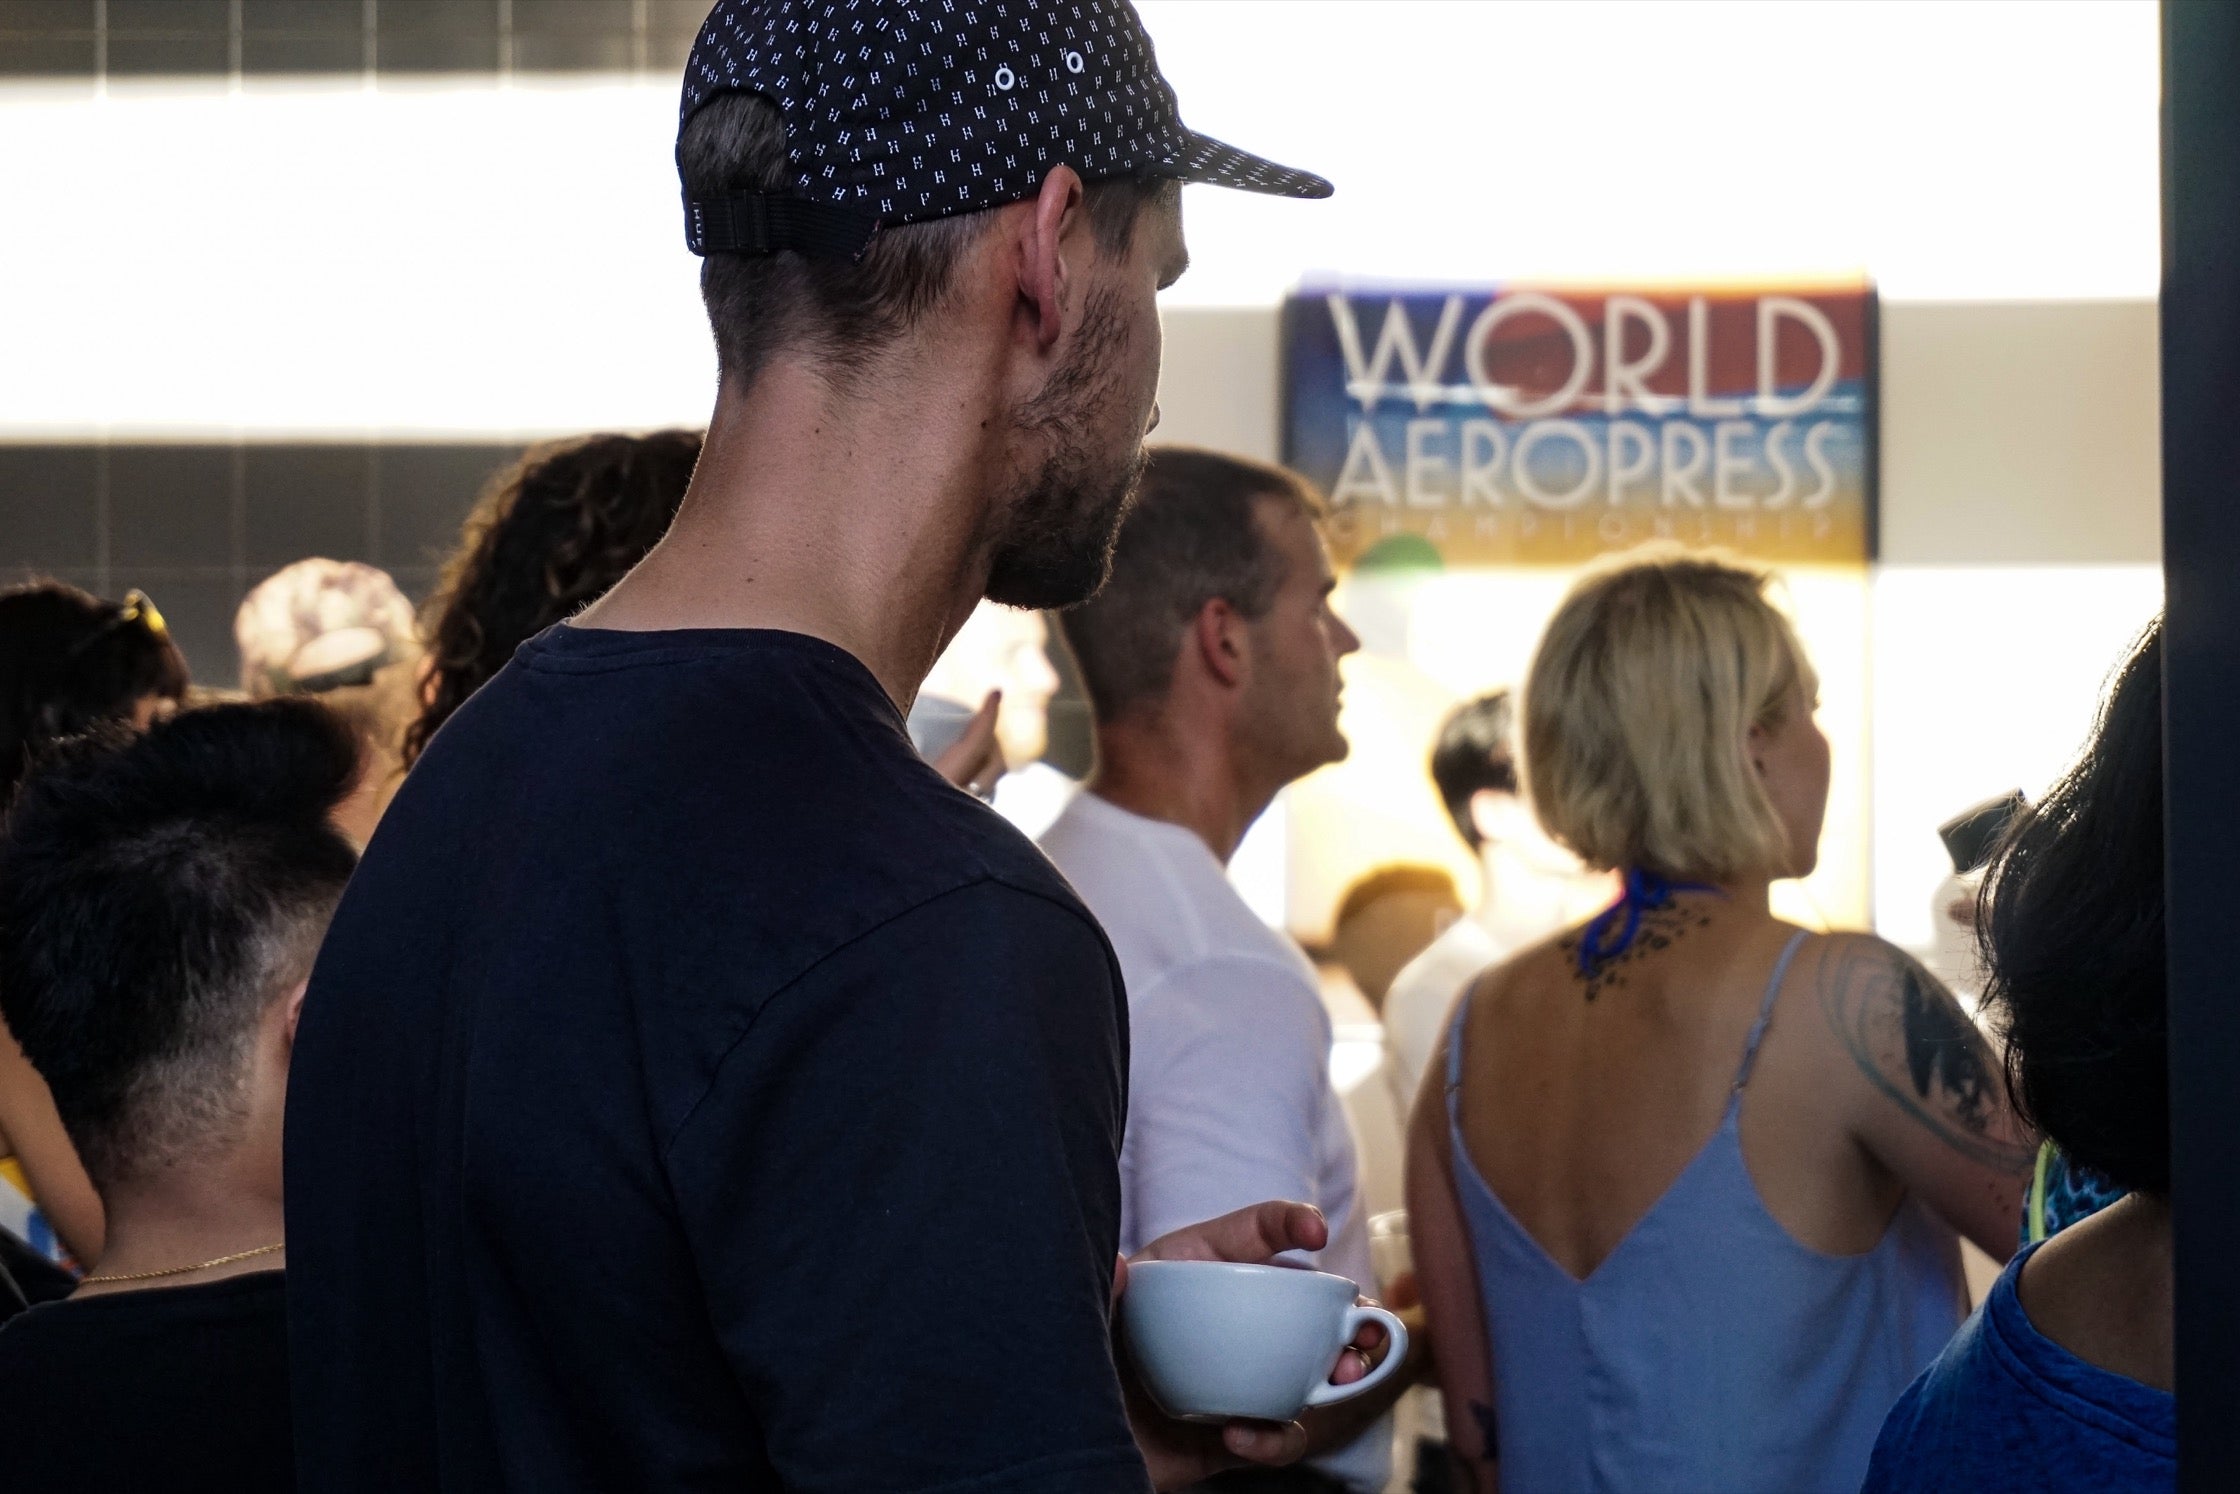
185 1219
858 517
1153 766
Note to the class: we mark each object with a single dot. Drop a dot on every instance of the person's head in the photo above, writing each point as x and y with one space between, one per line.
161 898
993 219
1474 765
1218 611
547 538
1386 919
2072 944
321 625
340 630
1002 648
1668 723
70 662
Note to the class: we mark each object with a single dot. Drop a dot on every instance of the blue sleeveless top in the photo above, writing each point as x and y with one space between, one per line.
1710 1349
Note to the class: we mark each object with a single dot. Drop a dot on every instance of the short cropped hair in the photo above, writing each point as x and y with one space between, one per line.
760 304
1192 536
1636 710
1399 879
156 893
1476 753
2072 937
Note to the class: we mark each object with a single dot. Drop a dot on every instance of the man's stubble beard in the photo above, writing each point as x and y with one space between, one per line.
1059 524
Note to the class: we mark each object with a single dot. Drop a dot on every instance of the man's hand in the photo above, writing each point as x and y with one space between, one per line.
1181 1453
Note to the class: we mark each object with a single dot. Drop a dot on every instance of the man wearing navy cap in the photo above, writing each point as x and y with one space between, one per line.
695 1091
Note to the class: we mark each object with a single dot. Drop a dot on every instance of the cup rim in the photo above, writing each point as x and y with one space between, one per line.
1245 1269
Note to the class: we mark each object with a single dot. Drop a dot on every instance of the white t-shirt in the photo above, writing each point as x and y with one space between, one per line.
1421 998
1033 797
1229 1095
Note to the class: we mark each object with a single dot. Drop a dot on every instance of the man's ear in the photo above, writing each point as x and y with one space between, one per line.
1218 638
1050 234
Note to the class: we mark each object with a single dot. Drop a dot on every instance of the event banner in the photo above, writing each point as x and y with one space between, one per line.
1522 425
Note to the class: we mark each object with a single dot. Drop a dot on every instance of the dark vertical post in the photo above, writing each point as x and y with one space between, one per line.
2201 564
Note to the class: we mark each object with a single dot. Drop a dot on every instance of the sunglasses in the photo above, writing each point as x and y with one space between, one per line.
137 608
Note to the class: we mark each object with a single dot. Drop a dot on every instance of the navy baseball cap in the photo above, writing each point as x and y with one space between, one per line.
900 111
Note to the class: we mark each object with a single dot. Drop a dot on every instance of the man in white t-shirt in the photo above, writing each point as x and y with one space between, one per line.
1211 663
1531 886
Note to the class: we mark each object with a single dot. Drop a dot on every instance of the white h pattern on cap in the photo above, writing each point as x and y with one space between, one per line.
917 109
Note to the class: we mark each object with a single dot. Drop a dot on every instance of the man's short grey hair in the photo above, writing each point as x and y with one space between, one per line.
841 313
1192 537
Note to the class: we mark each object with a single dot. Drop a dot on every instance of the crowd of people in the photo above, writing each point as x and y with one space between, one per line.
587 1032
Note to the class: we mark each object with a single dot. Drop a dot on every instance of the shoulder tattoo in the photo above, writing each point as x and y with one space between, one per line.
1913 1042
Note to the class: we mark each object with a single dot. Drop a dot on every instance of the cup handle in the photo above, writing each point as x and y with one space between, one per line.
1327 1394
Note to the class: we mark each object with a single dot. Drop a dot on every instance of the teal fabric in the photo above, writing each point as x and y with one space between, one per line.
2061 1194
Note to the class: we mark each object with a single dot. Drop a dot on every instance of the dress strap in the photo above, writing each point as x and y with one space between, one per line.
1455 1025
1765 1008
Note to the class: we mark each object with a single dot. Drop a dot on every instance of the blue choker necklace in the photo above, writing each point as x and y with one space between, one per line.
1615 928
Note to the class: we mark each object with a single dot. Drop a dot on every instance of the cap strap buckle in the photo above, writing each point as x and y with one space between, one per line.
763 223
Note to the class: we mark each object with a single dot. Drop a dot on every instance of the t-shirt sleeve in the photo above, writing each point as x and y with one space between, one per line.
902 1194
1231 1076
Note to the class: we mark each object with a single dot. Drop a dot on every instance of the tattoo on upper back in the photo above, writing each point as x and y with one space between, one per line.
1661 928
1915 1044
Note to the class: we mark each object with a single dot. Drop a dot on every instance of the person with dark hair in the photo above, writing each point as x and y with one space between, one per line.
1529 885
161 898
549 536
1211 664
69 662
670 917
2063 1377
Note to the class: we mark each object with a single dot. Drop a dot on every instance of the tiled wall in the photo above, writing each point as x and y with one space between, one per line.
196 526
125 38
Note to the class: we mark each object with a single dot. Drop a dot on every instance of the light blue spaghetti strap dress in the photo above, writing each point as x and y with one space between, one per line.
1710 1350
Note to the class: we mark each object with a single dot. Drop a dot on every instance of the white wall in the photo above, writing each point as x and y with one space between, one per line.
2021 534
477 257
1961 149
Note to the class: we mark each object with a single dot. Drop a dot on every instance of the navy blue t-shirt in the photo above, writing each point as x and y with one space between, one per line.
2005 1407
696 1092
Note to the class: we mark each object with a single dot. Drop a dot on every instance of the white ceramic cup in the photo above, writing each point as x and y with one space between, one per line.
1214 1340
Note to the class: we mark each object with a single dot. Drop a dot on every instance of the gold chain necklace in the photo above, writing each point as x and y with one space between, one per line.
223 1260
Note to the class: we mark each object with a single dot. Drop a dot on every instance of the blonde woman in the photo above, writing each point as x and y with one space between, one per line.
1685 1202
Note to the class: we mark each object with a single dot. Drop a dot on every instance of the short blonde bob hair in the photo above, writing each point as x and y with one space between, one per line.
1638 706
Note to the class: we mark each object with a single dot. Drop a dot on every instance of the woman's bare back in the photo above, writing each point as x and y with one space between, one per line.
1587 1095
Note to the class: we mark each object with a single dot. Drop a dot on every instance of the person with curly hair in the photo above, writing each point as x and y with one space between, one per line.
548 536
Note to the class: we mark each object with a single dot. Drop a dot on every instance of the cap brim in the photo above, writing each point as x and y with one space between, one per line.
1205 159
